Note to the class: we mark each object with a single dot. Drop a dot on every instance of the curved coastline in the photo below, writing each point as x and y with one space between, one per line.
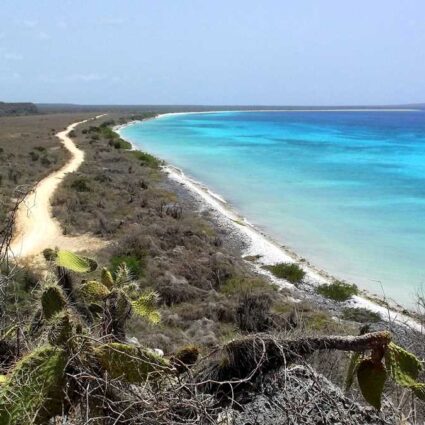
263 246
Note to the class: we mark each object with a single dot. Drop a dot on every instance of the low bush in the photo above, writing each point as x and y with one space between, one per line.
253 312
147 159
290 271
134 264
80 184
338 291
120 144
361 315
241 284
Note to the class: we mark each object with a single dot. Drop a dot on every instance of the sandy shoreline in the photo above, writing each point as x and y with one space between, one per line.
268 250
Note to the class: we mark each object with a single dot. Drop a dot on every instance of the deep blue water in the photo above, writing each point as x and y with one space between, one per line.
346 190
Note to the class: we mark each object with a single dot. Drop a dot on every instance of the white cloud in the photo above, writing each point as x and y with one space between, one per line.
29 23
43 35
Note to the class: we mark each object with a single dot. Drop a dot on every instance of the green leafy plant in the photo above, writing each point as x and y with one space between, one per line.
81 184
290 271
147 159
337 290
132 263
361 315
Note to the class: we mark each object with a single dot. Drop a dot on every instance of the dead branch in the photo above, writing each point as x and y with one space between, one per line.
241 360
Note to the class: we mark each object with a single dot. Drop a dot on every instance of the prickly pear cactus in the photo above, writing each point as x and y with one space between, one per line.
145 307
131 363
371 377
106 278
122 304
33 392
52 301
93 291
75 263
61 330
352 369
404 368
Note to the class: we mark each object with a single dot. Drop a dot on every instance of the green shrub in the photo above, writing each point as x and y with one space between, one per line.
34 156
80 184
147 159
289 271
134 264
240 284
361 315
108 133
121 144
338 291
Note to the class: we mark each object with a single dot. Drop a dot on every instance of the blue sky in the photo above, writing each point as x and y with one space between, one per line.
270 52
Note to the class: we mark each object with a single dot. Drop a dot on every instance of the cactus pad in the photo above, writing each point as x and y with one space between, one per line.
93 291
61 330
106 278
33 392
133 364
371 377
52 301
145 307
75 263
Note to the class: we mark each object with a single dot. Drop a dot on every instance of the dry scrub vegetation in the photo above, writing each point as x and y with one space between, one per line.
29 151
237 349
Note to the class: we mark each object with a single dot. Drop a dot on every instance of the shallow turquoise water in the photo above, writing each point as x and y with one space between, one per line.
346 190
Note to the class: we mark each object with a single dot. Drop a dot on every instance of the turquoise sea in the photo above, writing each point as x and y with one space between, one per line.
346 190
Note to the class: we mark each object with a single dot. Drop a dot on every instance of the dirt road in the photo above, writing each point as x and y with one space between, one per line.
35 227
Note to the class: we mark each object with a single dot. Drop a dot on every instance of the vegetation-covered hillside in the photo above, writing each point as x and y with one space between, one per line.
13 109
169 325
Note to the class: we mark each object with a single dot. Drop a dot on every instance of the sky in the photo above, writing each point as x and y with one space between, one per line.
213 52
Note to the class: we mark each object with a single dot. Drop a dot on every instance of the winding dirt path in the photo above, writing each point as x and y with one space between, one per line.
35 226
